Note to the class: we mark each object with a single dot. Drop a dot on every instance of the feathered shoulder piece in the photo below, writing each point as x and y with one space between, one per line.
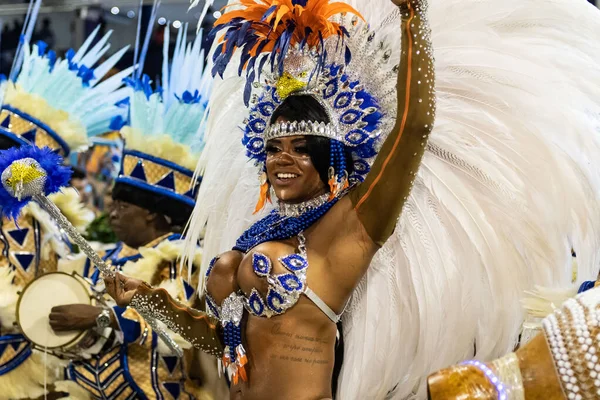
60 102
269 29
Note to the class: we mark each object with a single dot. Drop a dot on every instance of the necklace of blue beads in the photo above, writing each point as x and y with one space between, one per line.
278 225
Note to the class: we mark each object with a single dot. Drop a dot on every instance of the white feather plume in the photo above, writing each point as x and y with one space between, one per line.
61 96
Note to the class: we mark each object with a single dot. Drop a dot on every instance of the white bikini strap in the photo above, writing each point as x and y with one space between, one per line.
309 293
322 306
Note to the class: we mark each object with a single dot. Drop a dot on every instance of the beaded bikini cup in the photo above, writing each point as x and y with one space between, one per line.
308 51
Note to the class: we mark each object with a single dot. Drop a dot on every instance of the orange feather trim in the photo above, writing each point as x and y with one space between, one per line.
315 15
264 197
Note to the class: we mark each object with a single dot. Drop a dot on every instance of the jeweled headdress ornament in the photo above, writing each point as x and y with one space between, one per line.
158 160
59 103
311 47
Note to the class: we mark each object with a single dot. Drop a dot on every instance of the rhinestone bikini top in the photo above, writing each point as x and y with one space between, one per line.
284 289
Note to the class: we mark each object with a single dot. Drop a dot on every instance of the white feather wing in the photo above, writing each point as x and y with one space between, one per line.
506 188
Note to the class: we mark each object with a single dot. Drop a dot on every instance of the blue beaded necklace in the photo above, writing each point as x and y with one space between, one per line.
279 227
276 226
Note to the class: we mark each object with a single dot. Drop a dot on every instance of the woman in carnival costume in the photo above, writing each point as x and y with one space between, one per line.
331 213
153 197
52 104
479 227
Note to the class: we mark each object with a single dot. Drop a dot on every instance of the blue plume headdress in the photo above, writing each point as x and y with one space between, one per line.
60 102
164 122
310 47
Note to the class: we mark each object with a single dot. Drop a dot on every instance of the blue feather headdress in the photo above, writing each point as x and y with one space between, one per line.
164 122
310 47
60 102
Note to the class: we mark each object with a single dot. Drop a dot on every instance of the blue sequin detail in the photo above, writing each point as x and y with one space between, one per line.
294 262
274 301
361 166
266 108
255 145
290 282
256 304
331 88
257 125
356 137
343 100
261 264
284 289
350 117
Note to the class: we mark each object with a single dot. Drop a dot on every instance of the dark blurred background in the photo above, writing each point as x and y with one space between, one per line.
64 24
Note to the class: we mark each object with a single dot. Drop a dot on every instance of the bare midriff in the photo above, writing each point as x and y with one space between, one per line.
290 356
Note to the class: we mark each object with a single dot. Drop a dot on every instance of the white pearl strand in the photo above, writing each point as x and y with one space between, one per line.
573 335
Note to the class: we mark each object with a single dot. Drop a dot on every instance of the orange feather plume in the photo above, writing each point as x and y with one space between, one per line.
261 24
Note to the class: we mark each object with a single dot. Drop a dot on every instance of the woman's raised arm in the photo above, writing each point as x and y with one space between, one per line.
378 201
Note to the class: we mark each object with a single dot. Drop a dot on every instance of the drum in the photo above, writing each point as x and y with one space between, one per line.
33 314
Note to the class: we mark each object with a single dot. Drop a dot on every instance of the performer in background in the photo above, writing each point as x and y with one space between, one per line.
36 113
479 228
153 198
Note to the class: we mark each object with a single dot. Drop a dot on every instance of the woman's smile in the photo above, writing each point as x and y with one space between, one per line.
285 178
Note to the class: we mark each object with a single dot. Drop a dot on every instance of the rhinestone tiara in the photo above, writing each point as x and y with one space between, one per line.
358 94
302 128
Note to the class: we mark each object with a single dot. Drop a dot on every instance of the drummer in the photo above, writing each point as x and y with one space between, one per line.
33 245
153 198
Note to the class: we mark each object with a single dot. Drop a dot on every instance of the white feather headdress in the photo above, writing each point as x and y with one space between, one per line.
164 133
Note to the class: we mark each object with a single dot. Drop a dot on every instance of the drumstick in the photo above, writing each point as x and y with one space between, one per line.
30 173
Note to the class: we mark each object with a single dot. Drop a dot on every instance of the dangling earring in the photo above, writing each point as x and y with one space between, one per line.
337 181
345 183
265 193
333 187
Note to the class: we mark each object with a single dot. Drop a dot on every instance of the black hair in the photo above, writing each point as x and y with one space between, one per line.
156 203
307 108
301 108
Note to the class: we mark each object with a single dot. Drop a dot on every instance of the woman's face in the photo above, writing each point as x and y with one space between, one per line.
291 172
